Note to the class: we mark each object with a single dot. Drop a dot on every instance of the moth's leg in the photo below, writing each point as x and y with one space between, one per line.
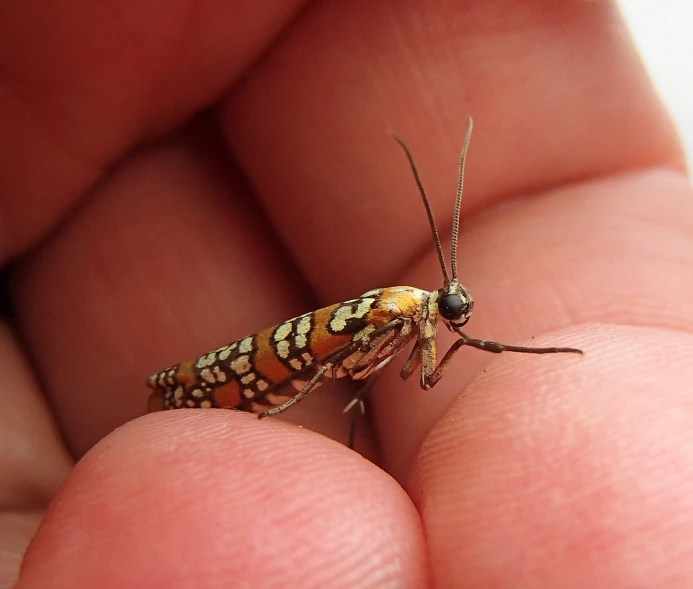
428 382
427 348
370 357
412 363
487 346
497 348
302 393
357 401
332 361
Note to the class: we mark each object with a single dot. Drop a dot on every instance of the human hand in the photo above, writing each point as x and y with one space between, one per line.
536 471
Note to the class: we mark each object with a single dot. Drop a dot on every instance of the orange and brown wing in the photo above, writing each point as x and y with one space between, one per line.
265 369
247 373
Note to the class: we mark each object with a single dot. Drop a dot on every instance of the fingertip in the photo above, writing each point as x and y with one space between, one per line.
573 468
201 497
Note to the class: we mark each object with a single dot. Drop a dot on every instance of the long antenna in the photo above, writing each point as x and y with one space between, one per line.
427 204
458 201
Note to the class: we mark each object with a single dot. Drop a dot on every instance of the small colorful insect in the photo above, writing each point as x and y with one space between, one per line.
270 371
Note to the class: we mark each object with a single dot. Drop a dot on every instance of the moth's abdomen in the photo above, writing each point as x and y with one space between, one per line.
265 369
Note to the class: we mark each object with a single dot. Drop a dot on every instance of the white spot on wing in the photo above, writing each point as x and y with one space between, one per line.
246 345
282 332
248 378
206 373
241 365
207 360
303 326
283 349
344 313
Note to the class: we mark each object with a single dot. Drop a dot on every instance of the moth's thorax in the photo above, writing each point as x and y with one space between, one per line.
397 301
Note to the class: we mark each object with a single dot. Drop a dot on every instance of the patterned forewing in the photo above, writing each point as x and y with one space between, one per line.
265 369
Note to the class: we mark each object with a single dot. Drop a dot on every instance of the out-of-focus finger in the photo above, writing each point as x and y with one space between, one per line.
166 261
83 82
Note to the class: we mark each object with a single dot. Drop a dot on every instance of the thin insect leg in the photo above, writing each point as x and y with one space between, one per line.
487 346
432 380
358 401
372 346
331 362
497 348
412 363
302 393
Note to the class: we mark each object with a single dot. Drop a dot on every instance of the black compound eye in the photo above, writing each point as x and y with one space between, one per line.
451 306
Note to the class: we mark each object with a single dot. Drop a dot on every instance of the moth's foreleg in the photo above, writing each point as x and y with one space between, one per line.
497 348
488 346
428 382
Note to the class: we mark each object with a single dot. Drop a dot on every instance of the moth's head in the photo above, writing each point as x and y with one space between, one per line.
454 302
455 305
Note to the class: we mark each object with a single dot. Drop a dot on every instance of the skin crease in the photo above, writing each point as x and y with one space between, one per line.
139 234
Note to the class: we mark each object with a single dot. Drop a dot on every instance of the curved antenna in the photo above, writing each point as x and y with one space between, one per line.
427 204
458 201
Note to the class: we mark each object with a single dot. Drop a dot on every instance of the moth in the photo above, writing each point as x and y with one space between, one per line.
268 372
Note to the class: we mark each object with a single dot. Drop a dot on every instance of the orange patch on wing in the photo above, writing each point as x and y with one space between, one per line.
185 372
322 342
228 395
266 361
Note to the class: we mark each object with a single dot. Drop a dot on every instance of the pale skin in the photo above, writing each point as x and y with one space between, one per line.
516 470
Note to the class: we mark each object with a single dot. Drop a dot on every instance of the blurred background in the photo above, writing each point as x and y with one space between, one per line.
663 31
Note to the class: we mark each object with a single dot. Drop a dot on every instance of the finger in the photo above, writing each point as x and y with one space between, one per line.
556 90
16 530
211 499
83 82
33 460
578 477
601 252
168 260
